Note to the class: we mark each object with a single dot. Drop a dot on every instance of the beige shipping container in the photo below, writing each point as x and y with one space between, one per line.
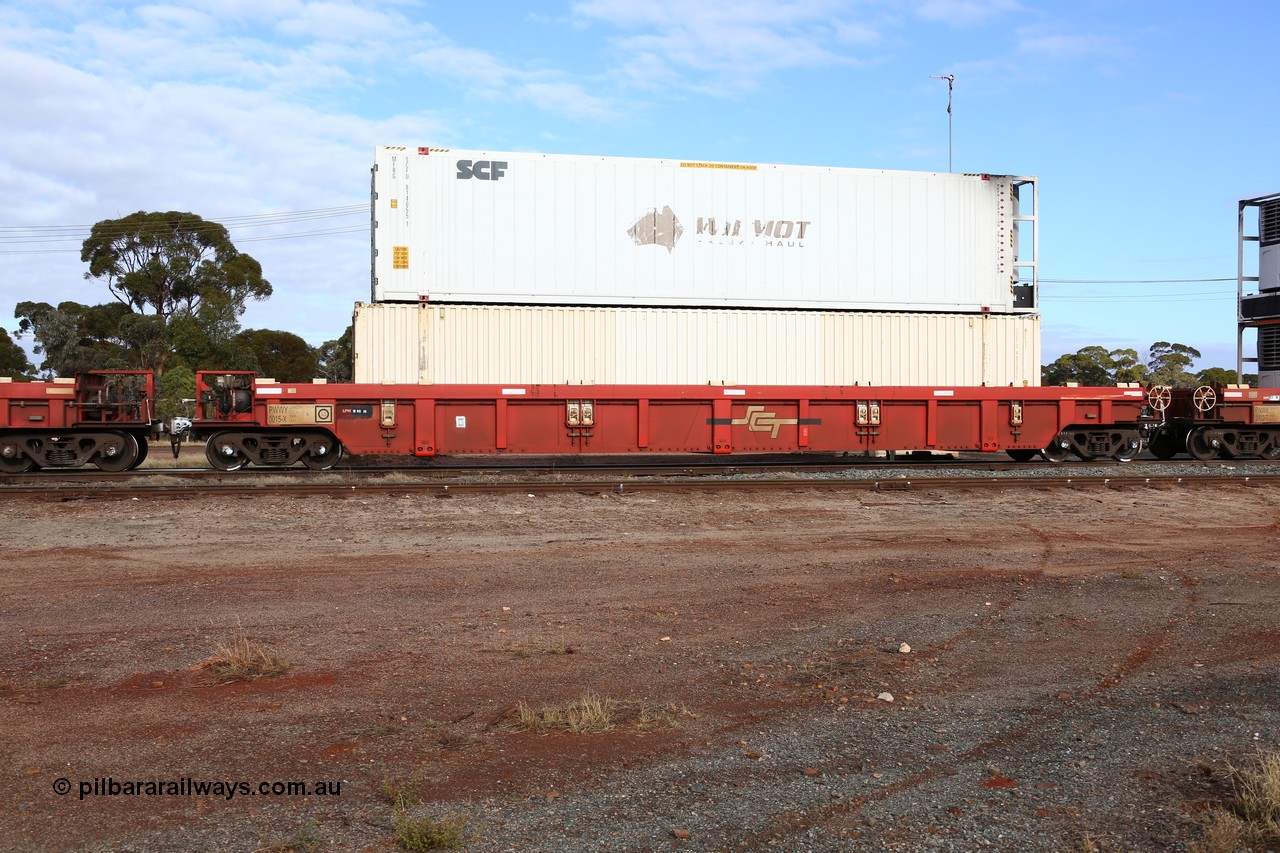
537 344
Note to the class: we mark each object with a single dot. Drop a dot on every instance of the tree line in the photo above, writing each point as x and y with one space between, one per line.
179 287
1166 364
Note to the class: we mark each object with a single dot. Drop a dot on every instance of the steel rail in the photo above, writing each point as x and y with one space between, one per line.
628 468
543 469
126 491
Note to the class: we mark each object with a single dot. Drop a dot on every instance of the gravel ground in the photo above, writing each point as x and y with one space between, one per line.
1082 666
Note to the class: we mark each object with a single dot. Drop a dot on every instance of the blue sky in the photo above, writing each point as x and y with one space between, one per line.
1145 122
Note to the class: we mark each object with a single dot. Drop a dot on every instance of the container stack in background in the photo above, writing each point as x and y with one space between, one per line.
495 268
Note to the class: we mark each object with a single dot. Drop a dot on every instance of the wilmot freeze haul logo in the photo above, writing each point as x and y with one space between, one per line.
663 228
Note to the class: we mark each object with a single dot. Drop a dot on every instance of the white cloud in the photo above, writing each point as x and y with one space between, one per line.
477 70
963 13
168 107
1058 46
566 98
724 46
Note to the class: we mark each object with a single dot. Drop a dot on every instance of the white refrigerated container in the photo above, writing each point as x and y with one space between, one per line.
516 228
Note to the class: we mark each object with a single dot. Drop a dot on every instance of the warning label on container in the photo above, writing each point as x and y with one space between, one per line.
743 166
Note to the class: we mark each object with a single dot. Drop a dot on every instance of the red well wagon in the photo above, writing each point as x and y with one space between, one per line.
247 420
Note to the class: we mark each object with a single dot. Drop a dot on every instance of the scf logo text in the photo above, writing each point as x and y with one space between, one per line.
485 170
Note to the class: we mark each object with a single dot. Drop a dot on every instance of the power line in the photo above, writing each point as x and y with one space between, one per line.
251 220
323 233
1215 297
1133 280
15 236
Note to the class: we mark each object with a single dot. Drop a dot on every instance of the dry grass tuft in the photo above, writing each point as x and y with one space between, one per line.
592 714
1253 814
1257 795
38 682
403 794
1223 833
421 834
399 478
589 714
306 840
242 659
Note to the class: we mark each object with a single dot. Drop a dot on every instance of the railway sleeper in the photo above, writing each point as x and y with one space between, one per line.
230 450
109 450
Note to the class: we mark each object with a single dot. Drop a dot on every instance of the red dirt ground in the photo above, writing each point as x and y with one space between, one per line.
1092 656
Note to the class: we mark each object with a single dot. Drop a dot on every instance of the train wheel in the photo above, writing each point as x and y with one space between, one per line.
1128 450
1163 445
223 454
324 454
1055 452
142 454
1022 455
1199 447
1272 451
122 459
16 462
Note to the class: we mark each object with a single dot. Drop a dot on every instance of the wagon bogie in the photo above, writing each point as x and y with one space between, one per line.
230 450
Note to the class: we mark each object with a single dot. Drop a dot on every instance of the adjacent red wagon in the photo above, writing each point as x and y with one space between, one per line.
103 418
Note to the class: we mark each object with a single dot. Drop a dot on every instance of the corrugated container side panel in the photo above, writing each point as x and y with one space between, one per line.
546 344
919 202
548 272
555 229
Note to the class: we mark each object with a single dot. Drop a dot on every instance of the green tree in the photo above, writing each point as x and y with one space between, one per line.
1091 365
283 356
1128 366
335 358
210 338
177 384
1219 375
1170 364
169 267
13 359
74 338
1223 376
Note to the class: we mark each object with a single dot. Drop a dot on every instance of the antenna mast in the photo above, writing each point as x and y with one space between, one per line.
951 85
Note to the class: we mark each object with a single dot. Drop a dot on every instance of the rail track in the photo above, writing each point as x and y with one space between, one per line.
442 481
602 466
